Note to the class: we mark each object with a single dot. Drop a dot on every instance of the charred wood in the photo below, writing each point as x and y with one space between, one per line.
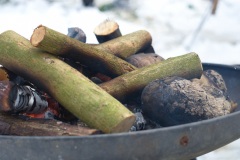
14 125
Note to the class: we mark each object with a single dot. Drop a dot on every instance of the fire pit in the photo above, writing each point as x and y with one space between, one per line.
182 142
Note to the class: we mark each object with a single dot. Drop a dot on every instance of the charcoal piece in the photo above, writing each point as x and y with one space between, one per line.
77 33
174 100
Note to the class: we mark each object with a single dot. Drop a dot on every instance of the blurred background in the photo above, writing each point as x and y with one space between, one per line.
211 28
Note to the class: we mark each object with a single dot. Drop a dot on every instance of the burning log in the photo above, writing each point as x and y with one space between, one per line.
188 66
70 88
13 125
62 45
175 100
15 99
107 30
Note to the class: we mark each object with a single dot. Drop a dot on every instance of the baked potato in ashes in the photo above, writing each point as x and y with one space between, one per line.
175 100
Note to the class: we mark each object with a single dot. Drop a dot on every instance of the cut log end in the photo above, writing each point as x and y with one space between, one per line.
106 27
106 31
124 125
38 35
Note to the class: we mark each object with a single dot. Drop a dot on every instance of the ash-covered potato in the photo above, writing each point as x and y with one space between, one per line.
213 78
174 100
142 59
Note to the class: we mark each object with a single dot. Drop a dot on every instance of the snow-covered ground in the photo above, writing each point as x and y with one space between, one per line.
173 24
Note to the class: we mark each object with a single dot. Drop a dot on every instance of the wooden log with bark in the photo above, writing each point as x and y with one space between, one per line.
19 126
187 66
123 47
59 44
70 88
128 44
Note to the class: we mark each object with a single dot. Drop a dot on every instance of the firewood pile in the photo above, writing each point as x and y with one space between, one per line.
56 84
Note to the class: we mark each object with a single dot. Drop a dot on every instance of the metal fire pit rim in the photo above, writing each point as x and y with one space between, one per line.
226 66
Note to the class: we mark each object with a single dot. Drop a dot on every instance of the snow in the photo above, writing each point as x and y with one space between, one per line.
172 24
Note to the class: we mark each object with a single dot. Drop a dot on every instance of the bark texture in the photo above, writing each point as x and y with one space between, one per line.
128 44
187 66
66 85
59 44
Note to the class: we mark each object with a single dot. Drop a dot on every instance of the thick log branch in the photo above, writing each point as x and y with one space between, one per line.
59 44
187 66
69 87
128 44
125 46
13 125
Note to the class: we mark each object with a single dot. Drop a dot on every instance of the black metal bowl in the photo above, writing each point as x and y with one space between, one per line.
178 142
